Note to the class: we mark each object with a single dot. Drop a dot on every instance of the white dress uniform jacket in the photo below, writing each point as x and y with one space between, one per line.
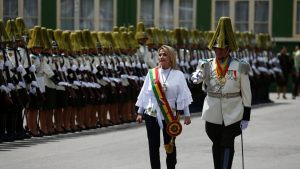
224 103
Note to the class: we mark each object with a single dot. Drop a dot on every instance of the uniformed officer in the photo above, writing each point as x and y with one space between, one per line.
5 96
227 105
36 89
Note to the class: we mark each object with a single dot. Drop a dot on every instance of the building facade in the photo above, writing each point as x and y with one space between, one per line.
281 19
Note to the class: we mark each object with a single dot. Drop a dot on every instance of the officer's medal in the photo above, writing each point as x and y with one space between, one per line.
221 70
222 81
174 128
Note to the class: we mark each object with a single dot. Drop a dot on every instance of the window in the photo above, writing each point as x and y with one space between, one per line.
167 14
298 17
86 20
222 9
86 14
31 13
10 10
186 13
241 16
166 19
29 10
261 19
246 15
106 15
147 12
67 14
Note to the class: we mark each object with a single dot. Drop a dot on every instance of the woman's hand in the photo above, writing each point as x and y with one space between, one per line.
139 118
187 120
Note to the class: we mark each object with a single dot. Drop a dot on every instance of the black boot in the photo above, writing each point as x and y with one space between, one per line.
226 158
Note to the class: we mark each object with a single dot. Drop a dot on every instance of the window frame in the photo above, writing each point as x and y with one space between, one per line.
77 17
295 19
176 13
21 10
251 14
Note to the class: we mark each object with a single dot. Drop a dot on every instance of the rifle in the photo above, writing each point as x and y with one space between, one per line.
63 78
32 77
23 93
6 97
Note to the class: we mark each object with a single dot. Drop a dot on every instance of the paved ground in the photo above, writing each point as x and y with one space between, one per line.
272 141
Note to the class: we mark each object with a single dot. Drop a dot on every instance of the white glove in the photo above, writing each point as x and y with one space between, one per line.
20 69
1 65
32 68
11 86
74 67
4 88
77 83
32 90
196 79
95 71
34 84
64 69
61 83
81 68
97 85
244 124
22 84
8 64
84 84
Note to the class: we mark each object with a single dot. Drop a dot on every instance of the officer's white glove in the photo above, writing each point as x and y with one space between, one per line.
22 84
97 85
20 69
64 69
1 65
77 83
81 68
32 90
95 71
61 83
11 86
32 68
244 124
34 84
196 77
8 64
4 89
74 67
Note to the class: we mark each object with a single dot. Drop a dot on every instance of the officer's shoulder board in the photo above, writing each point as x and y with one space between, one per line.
203 62
244 66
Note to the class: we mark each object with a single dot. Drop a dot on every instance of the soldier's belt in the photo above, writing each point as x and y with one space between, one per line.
223 95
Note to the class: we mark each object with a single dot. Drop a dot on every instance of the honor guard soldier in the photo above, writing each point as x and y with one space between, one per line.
74 79
23 52
36 88
227 105
19 94
152 55
143 51
5 82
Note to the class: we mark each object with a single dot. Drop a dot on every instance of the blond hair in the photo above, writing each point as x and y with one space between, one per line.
171 53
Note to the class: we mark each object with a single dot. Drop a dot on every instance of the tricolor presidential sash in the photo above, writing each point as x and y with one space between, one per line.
174 127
